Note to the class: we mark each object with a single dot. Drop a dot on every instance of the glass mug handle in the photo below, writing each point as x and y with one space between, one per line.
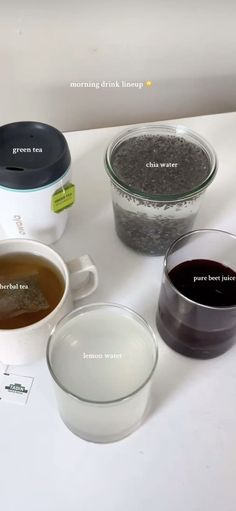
82 285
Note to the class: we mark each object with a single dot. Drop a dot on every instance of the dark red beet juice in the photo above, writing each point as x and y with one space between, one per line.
197 308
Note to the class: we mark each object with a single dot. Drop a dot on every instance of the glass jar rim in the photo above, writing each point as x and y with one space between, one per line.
168 129
95 306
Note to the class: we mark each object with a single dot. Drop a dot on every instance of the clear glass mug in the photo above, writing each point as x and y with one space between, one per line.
191 328
150 223
102 358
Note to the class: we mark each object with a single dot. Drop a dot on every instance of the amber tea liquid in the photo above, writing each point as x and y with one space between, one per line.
30 288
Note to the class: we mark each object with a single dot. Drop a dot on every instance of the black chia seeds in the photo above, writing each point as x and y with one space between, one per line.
130 159
156 165
150 236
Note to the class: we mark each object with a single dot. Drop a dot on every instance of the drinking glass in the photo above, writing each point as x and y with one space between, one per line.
102 358
191 328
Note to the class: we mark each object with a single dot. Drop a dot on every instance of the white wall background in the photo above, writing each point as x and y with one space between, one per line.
186 47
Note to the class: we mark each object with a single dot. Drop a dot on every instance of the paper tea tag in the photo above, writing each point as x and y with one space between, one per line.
15 388
63 198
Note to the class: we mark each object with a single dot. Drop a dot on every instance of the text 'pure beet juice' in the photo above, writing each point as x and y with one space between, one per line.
158 174
196 313
206 282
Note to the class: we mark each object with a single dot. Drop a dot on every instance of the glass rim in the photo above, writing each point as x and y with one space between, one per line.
94 306
165 270
177 129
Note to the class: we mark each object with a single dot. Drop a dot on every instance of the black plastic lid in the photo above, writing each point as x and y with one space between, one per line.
32 155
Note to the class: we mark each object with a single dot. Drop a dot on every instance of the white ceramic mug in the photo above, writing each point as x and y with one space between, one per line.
24 345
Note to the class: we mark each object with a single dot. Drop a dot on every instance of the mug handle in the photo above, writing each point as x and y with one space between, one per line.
76 267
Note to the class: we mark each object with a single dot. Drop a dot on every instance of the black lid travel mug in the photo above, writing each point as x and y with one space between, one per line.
35 181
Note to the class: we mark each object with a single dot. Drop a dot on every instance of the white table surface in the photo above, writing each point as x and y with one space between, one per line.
183 458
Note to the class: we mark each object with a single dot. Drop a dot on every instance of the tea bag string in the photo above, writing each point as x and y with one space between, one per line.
4 369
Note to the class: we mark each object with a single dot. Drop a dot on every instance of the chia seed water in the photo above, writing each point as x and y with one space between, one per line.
158 174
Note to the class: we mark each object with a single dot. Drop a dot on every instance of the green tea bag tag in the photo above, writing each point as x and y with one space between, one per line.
63 198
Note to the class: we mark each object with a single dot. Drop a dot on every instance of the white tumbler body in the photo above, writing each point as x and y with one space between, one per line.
29 213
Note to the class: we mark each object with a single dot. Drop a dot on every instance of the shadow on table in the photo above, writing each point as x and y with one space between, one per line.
172 375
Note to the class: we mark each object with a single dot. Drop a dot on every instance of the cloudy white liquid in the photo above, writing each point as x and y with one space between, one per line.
102 354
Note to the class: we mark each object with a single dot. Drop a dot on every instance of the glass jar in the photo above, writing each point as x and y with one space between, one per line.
150 223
